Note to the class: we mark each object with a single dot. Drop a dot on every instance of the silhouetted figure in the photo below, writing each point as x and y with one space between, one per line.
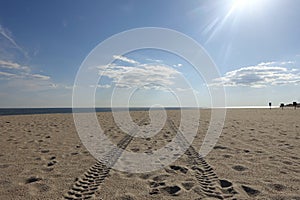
282 105
295 104
270 105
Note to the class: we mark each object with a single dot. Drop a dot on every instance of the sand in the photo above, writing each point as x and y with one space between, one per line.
256 157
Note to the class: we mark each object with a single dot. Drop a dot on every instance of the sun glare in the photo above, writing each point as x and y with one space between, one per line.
246 4
238 4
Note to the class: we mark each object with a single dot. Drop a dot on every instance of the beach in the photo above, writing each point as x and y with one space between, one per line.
256 157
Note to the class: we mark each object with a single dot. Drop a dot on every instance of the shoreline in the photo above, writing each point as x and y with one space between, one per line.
37 111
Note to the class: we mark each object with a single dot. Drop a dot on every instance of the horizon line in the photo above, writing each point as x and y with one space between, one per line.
122 107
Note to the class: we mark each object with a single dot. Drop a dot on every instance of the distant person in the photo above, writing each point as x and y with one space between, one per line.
295 104
270 105
282 105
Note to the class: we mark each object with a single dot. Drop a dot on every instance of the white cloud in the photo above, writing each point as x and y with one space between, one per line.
8 36
41 77
261 75
287 62
125 59
15 76
61 86
19 77
6 74
276 63
105 86
12 65
146 76
9 65
178 65
154 60
184 89
18 71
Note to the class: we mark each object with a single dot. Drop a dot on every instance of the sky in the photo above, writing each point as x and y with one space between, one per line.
254 44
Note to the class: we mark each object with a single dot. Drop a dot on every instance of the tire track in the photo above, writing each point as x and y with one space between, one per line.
210 184
86 186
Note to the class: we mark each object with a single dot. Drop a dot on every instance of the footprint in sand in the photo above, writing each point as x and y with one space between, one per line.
41 187
225 183
227 187
2 166
161 177
239 168
227 156
51 163
45 151
250 191
154 184
154 191
220 147
145 176
277 187
188 185
246 151
179 168
32 179
135 149
292 157
171 190
287 162
158 184
35 185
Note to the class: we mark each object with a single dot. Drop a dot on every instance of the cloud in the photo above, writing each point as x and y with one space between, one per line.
12 65
16 70
154 60
276 63
262 75
104 86
146 76
15 76
177 65
128 77
9 65
185 89
6 74
8 36
61 86
25 82
19 77
41 77
101 86
125 59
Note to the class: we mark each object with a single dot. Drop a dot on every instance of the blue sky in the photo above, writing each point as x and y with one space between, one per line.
255 45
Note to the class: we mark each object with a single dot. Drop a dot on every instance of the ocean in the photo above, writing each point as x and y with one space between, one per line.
31 111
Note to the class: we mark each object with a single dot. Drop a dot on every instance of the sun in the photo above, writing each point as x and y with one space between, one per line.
245 4
237 4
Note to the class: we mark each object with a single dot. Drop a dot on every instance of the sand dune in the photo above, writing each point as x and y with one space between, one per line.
256 157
